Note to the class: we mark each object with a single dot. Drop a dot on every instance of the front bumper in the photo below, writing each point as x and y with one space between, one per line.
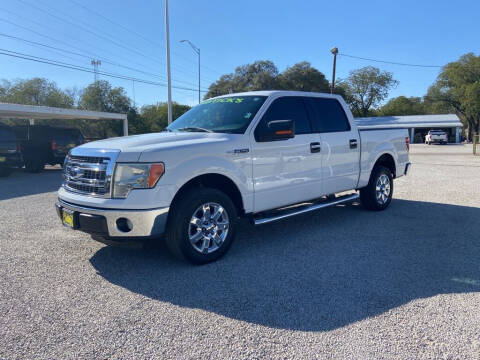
110 223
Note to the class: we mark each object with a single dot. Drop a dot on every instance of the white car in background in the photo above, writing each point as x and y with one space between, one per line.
436 136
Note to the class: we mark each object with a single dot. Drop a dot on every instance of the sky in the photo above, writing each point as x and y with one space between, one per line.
128 36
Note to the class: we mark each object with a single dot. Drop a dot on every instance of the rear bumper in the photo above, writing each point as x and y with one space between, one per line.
11 160
110 223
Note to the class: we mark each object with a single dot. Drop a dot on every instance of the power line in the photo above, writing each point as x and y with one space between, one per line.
34 43
80 68
390 62
133 32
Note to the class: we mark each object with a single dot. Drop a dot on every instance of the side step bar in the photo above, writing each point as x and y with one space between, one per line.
283 214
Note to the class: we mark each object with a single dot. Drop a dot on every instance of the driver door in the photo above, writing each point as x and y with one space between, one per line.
286 171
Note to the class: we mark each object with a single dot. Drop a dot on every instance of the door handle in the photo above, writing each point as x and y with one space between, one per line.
353 143
315 147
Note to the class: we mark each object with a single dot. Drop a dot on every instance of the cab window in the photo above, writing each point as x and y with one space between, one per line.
288 108
328 115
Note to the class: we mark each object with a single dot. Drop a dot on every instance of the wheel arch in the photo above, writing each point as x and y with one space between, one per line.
216 181
386 159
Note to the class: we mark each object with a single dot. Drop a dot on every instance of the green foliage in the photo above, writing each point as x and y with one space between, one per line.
458 87
100 96
366 88
36 91
264 75
303 77
403 106
154 118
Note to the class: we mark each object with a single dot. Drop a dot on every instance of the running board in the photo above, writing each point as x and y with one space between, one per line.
283 214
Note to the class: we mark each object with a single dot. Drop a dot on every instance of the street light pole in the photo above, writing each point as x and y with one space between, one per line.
169 76
197 51
334 51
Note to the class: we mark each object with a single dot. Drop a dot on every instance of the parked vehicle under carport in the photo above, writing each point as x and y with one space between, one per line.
43 144
10 156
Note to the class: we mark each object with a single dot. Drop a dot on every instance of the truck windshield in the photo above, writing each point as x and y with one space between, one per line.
230 114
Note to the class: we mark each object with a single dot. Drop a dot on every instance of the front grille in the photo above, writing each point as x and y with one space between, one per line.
87 175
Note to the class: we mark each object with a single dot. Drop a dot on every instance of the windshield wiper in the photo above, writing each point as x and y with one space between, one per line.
194 128
166 130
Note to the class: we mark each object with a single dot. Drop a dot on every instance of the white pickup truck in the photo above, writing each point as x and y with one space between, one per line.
265 155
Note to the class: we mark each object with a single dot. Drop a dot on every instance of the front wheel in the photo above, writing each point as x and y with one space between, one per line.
377 195
201 226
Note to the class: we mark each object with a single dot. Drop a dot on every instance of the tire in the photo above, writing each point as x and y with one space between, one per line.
369 195
34 166
209 240
4 171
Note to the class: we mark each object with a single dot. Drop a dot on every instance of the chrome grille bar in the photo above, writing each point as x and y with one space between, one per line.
89 171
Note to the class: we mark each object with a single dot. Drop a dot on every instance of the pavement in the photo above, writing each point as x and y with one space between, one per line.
342 283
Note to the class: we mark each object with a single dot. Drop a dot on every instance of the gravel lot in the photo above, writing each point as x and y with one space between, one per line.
342 283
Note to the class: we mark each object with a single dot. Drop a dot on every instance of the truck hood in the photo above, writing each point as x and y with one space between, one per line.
131 147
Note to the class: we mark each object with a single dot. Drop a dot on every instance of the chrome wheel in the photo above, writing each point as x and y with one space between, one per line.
208 228
382 189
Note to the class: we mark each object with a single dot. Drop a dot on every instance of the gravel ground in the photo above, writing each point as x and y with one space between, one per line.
342 283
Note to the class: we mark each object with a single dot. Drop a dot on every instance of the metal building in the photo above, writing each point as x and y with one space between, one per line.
419 125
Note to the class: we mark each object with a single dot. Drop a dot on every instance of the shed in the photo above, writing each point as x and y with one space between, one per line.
417 124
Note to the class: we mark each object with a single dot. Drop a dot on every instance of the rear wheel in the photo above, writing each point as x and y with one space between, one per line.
34 166
377 195
201 226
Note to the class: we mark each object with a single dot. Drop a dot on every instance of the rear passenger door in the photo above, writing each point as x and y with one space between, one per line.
340 145
286 171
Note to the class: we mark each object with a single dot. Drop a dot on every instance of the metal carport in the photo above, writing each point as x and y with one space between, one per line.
17 111
422 123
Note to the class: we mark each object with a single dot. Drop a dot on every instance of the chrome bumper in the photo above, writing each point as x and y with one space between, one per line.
111 222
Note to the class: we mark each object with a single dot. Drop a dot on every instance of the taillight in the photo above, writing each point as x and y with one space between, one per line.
53 145
407 143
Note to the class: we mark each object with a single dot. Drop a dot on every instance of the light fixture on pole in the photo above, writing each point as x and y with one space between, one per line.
169 76
197 51
334 51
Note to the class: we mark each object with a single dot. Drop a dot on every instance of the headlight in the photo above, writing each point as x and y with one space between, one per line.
135 176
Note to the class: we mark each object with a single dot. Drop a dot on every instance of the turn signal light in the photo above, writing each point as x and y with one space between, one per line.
156 172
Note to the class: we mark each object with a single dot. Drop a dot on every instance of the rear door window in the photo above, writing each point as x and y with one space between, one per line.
328 115
288 108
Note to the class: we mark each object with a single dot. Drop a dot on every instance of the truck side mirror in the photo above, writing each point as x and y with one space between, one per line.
276 130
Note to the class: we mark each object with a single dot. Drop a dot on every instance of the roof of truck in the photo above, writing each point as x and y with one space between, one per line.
279 92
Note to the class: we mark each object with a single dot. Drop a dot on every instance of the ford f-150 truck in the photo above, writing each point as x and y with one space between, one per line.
265 155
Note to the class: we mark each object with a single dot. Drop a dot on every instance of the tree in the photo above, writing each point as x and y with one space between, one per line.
36 91
154 118
458 87
261 75
100 96
303 77
403 106
366 88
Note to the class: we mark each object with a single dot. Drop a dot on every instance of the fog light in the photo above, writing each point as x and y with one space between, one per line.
124 225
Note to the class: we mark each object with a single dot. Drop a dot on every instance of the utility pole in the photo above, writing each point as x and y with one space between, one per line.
169 76
334 51
96 63
197 51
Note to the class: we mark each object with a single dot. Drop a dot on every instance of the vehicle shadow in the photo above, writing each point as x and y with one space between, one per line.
316 272
22 183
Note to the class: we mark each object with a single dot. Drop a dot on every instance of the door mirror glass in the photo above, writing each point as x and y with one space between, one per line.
276 130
